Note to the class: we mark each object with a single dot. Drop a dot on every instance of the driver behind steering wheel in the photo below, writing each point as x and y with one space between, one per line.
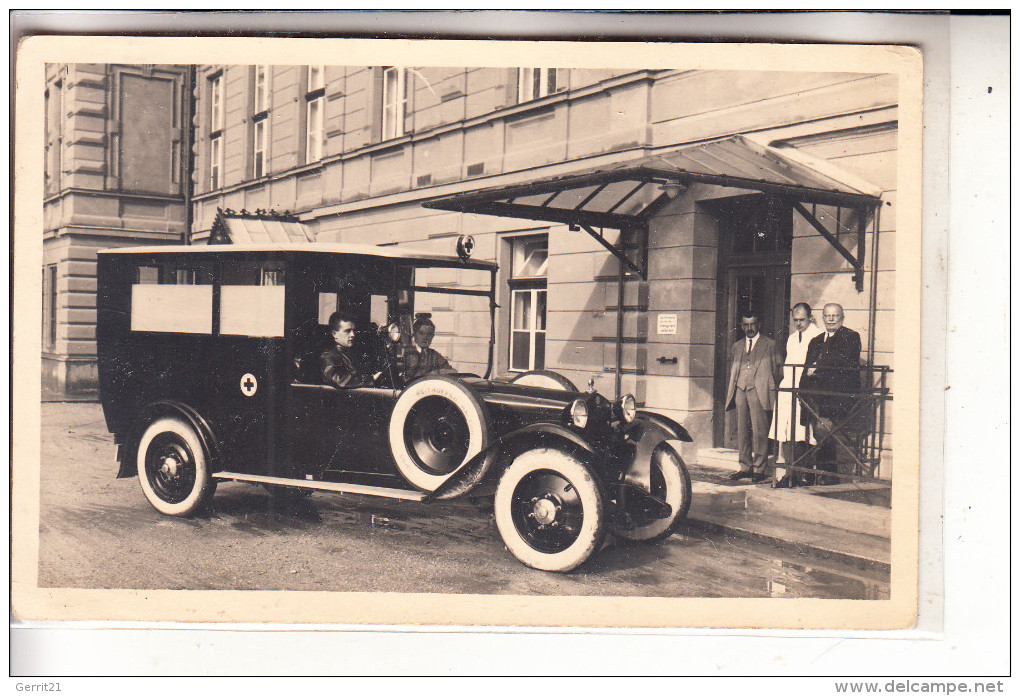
339 368
421 359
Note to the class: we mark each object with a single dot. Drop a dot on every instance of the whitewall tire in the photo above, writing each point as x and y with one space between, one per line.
438 423
671 483
549 510
172 468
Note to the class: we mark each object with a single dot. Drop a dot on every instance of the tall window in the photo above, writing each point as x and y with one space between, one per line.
259 147
215 162
261 88
259 120
315 102
216 131
394 102
535 83
53 126
529 268
49 286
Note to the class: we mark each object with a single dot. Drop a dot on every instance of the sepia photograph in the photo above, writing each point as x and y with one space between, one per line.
471 333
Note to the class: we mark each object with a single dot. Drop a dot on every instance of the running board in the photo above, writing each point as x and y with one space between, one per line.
325 486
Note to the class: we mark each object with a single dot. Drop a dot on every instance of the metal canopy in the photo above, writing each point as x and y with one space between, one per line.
627 194
259 227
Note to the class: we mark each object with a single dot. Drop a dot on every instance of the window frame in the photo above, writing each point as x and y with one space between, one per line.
315 113
534 285
260 128
314 129
53 125
394 110
50 307
216 105
528 91
216 162
315 78
533 288
260 89
217 114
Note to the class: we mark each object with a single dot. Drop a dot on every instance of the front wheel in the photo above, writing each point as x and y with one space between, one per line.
549 510
172 468
671 484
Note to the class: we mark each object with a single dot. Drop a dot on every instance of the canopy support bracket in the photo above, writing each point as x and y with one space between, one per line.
856 261
618 253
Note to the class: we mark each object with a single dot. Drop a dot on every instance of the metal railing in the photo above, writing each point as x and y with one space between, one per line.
836 434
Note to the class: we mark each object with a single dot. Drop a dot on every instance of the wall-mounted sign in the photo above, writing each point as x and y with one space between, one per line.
667 325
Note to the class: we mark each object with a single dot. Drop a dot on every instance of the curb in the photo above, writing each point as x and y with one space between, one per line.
794 519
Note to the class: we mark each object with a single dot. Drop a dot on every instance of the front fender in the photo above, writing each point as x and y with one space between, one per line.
536 433
147 415
649 433
679 432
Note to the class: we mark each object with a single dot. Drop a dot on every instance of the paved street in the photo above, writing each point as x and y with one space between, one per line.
100 532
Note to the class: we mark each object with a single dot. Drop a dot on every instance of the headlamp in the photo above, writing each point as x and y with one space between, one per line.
579 413
394 332
628 408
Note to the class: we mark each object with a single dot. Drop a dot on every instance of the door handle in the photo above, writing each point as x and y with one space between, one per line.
663 359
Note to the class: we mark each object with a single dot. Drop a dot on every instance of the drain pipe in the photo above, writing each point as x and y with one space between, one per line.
188 156
619 322
873 299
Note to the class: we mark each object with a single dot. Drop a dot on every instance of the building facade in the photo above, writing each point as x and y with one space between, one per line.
115 170
355 151
634 213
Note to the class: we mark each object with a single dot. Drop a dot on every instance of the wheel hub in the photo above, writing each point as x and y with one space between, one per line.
171 467
443 436
544 510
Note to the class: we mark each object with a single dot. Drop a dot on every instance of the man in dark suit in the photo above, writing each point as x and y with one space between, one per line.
833 365
422 359
752 390
337 361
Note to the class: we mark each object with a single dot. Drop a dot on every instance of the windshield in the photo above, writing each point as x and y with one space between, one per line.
457 302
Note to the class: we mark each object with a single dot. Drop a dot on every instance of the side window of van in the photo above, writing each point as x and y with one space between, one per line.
172 299
252 300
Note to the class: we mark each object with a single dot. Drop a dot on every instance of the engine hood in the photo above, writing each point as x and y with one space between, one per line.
515 396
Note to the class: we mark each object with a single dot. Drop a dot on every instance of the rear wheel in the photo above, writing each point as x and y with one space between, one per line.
172 468
549 510
671 484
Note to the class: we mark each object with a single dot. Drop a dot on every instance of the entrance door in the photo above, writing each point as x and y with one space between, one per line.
754 275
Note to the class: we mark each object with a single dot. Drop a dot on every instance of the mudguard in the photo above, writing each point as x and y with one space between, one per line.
679 432
537 431
648 432
126 451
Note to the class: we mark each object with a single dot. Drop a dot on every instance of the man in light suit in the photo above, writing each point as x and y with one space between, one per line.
752 390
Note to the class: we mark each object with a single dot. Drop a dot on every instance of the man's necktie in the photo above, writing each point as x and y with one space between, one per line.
748 345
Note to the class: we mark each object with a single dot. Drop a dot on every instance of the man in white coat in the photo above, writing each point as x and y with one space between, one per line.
786 426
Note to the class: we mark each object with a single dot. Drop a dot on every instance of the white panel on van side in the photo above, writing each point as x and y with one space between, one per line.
172 308
252 310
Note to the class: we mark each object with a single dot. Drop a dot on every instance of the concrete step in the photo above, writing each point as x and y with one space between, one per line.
718 458
860 550
793 518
